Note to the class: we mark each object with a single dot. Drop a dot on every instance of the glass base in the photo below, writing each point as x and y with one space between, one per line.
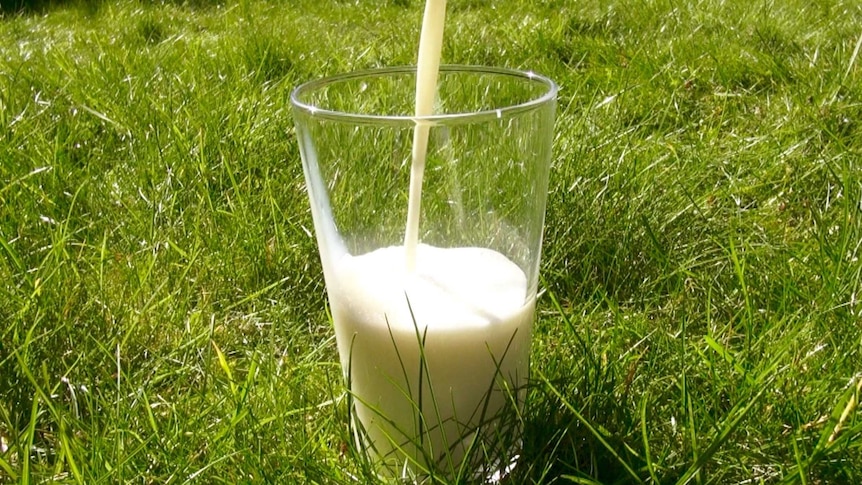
495 473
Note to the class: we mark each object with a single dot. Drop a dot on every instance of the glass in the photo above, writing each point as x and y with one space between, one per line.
435 358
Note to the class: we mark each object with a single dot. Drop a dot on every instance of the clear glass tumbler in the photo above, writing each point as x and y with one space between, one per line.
434 342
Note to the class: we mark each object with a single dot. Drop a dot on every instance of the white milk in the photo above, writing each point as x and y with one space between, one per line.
427 68
425 403
469 307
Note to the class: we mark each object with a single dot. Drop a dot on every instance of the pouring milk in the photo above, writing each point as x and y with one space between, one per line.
434 341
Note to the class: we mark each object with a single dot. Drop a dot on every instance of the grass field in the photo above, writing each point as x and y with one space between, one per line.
162 307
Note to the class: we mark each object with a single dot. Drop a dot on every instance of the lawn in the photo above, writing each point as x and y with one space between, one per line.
163 315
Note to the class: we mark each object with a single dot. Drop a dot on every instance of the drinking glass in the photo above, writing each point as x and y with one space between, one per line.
434 343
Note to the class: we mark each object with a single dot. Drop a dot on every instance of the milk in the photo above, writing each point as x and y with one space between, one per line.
427 68
470 309
434 342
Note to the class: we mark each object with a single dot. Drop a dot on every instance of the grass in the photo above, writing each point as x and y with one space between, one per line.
163 306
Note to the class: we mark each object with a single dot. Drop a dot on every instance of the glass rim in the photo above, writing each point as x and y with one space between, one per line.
548 95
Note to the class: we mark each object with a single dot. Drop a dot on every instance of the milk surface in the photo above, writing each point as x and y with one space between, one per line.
471 312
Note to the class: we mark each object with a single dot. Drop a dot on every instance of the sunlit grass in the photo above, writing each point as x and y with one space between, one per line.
162 304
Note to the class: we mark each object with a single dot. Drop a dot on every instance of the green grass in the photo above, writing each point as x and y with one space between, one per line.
162 308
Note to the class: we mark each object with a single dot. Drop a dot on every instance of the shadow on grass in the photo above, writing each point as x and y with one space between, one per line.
577 439
39 7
